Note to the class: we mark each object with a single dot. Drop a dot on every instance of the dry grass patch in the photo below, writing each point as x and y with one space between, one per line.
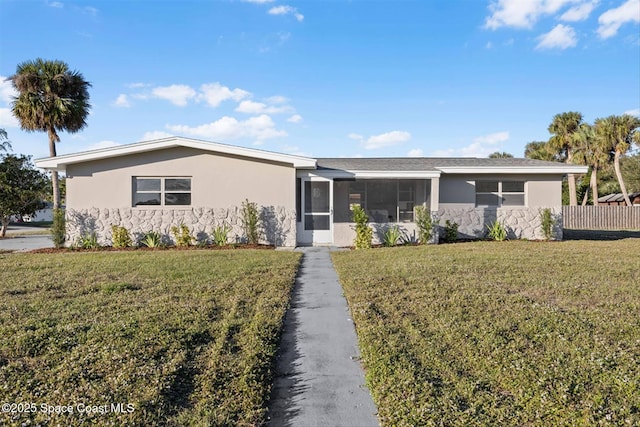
185 337
499 333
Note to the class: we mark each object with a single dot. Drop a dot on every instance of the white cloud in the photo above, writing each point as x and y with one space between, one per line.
7 92
481 146
521 13
286 10
91 10
579 12
386 139
489 45
226 128
176 94
561 37
277 99
416 152
155 134
635 112
137 85
611 21
103 144
492 138
294 150
356 136
214 93
296 118
56 4
7 119
252 107
122 101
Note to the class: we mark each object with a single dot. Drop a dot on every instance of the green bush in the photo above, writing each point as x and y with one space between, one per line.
120 237
182 235
547 223
221 234
450 231
391 236
496 231
88 241
58 228
151 239
251 222
364 233
424 222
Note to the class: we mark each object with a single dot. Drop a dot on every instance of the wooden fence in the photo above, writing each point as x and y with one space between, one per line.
601 217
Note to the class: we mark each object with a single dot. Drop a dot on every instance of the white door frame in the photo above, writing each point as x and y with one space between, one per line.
311 236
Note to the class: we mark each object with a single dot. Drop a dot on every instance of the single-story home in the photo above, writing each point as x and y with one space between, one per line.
617 199
154 185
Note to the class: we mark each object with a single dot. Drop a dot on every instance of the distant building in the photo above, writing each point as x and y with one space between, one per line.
617 199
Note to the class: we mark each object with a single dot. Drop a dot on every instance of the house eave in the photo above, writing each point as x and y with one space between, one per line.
60 163
372 174
561 170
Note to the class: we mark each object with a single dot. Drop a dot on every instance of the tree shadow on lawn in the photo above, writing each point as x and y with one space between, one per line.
287 385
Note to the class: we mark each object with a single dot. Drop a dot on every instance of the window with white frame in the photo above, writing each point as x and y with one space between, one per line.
499 193
161 191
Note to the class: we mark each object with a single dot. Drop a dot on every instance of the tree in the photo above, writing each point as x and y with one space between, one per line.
618 133
630 167
499 155
591 150
562 128
5 145
51 98
540 150
22 188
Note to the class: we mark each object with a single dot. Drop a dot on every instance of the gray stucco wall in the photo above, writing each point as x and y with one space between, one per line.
278 224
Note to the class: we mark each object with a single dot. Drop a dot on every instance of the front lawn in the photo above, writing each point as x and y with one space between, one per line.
499 333
141 338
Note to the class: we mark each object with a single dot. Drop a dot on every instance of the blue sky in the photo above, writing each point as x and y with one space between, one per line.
330 78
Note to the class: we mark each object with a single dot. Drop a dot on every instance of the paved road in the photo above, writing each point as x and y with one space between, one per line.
25 243
319 380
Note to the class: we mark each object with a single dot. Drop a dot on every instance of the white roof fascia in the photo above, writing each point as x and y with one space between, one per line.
513 169
60 162
335 173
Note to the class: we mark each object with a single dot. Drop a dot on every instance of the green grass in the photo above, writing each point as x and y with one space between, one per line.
186 337
499 333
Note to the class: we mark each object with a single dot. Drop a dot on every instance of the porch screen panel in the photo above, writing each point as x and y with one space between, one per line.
316 196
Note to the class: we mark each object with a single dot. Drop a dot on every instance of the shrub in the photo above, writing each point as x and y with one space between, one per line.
391 236
58 228
364 233
496 231
251 222
88 241
450 231
547 223
182 235
424 222
120 237
151 239
221 234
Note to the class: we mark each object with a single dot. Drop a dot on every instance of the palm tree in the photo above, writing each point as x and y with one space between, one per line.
51 98
562 127
5 145
618 133
590 149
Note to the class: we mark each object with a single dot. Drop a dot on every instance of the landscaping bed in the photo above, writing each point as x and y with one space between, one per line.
499 333
141 337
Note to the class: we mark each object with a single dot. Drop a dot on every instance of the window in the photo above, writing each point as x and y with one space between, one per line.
384 200
499 193
161 191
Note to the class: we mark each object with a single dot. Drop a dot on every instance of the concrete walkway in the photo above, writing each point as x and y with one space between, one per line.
319 380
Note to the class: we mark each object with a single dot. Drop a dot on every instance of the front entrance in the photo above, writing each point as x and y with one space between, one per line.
317 211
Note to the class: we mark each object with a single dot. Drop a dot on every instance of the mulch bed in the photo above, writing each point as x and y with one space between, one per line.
144 248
